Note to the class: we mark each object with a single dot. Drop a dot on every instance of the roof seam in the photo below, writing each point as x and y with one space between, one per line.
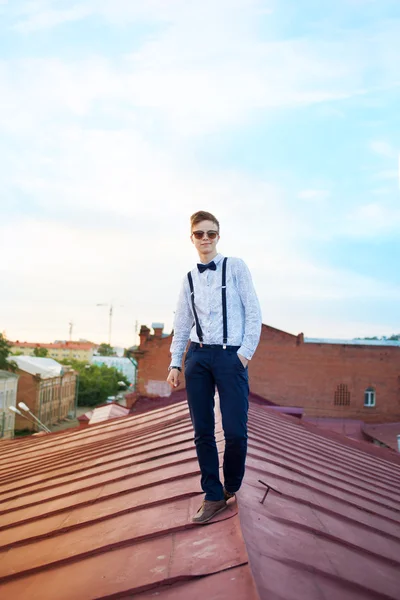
325 493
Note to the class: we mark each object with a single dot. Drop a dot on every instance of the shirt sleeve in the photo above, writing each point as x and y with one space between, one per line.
183 323
252 310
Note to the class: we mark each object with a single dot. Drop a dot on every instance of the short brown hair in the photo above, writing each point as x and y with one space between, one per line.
202 215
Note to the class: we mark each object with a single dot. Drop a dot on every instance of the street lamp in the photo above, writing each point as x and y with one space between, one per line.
15 410
27 409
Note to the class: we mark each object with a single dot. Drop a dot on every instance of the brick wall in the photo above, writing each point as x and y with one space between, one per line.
27 392
289 372
58 398
153 358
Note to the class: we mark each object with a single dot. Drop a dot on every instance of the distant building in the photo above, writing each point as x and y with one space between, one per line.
8 397
153 357
47 388
124 365
351 379
59 350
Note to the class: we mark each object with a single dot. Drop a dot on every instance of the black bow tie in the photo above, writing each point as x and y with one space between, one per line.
211 265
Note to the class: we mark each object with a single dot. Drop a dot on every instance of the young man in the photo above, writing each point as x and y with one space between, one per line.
219 312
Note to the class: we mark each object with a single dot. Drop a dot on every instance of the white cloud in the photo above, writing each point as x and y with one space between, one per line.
331 111
36 15
386 174
373 219
104 148
65 270
189 99
48 18
205 69
383 148
314 195
382 191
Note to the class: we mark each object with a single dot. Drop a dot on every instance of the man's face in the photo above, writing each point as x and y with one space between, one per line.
205 245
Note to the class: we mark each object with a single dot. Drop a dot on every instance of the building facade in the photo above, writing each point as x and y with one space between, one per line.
47 388
124 365
59 351
355 379
8 397
152 357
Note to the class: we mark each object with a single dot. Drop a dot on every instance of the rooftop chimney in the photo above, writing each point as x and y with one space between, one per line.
158 329
143 335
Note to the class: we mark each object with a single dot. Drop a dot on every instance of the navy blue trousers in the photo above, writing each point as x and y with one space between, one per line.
206 368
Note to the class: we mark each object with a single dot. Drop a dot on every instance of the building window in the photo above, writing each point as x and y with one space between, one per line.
342 395
369 397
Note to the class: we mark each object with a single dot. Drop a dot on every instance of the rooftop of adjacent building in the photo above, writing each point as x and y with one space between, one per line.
353 342
55 345
384 433
105 512
45 367
159 327
7 375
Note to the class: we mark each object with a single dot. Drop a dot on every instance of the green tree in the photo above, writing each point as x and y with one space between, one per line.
5 352
105 350
96 382
40 352
393 337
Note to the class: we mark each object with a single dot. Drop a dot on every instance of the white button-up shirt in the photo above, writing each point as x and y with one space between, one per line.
243 310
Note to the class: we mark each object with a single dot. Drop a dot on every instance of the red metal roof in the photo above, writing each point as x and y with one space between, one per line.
104 512
141 404
334 530
385 433
349 427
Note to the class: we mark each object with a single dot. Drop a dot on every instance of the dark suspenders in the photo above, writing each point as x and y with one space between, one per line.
224 312
224 317
196 318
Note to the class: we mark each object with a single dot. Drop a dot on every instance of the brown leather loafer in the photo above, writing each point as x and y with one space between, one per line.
208 510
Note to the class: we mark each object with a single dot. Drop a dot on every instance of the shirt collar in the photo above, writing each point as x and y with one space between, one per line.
216 259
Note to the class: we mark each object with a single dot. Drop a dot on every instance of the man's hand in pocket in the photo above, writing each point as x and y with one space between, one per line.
243 360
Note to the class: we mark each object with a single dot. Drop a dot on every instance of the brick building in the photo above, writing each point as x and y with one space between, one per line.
8 397
153 358
355 379
59 350
47 388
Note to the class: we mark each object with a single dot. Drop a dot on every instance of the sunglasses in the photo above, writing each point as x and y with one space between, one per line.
200 234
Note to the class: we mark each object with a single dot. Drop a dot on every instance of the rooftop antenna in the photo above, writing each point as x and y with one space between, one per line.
110 316
71 326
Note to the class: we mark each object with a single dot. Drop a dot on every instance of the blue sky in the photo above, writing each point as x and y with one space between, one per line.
118 119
